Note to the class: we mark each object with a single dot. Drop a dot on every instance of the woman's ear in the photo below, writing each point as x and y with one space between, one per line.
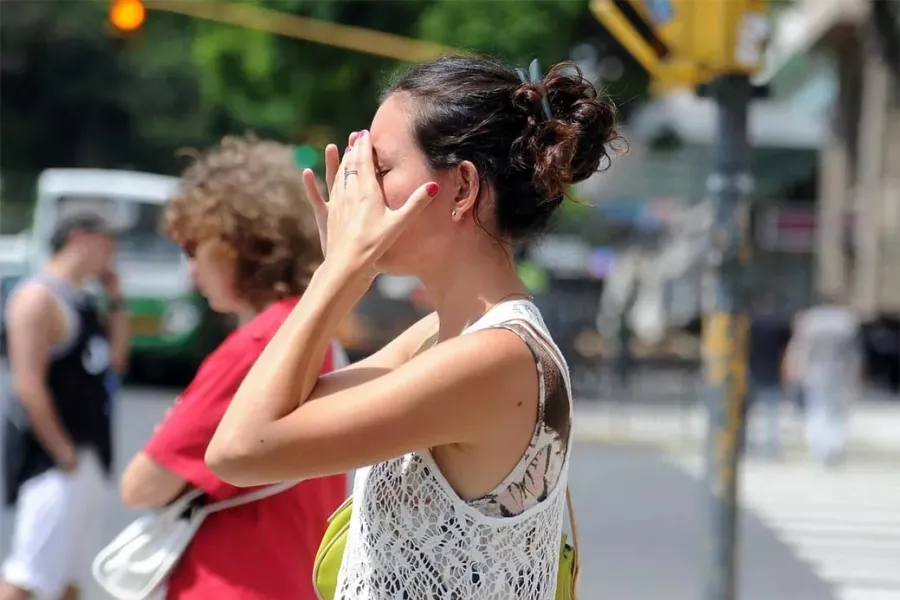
468 187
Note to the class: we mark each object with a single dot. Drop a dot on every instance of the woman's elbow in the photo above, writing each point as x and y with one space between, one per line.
231 461
138 495
130 496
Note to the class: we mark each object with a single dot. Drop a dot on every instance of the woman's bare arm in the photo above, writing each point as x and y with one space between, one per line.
392 356
458 392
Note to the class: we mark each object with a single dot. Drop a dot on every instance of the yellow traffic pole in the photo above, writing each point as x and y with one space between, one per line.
726 330
610 15
683 43
726 322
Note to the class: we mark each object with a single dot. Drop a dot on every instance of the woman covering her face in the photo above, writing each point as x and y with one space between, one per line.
460 427
243 219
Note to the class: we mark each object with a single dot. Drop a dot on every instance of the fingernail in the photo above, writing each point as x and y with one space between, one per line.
364 132
432 189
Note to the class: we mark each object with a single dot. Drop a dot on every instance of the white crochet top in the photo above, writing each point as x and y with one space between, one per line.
411 537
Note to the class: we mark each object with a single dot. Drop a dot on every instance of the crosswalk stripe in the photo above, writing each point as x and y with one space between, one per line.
817 515
868 593
829 542
848 574
873 530
852 562
844 523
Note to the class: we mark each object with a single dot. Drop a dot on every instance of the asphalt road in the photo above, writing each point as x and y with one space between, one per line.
641 522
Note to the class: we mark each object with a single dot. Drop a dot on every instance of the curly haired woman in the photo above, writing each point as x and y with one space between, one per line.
460 427
243 219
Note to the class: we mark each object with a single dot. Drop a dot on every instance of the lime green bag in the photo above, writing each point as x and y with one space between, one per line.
331 553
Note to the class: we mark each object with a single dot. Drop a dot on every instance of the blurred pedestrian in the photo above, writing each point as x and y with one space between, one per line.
460 427
770 331
242 218
624 361
57 439
825 358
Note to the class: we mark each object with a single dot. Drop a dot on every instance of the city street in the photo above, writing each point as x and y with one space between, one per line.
723 296
643 533
844 522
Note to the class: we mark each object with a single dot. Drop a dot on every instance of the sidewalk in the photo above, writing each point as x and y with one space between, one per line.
874 426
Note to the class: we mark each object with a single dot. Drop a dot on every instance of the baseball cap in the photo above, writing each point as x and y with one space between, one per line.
84 221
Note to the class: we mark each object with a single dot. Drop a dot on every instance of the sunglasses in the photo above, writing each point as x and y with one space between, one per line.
189 249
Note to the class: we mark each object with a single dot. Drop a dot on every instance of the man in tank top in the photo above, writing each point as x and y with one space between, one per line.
57 436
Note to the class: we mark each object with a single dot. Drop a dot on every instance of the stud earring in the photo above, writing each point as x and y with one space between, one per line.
454 213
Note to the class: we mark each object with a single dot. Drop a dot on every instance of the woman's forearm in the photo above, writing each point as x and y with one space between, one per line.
286 372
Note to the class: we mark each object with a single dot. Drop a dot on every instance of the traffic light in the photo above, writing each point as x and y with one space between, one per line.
127 15
717 36
684 43
636 25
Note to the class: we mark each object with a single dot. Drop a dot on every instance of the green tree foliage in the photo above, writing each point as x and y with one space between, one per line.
290 88
280 86
517 31
75 94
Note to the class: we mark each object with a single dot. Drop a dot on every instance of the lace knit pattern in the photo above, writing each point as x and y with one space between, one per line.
412 538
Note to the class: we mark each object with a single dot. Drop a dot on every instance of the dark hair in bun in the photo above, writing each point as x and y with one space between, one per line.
479 110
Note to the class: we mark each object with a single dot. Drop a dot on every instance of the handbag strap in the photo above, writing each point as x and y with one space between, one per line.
259 494
573 525
570 507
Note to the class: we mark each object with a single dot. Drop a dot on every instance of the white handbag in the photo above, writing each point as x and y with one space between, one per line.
137 563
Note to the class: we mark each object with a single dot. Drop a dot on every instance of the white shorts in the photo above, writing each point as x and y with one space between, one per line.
58 530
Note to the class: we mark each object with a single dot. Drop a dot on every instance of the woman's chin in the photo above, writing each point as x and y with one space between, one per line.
400 263
217 305
386 266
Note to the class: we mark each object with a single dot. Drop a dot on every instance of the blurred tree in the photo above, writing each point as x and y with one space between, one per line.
281 86
76 92
46 111
518 31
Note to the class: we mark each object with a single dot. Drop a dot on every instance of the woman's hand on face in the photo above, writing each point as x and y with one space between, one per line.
314 195
356 225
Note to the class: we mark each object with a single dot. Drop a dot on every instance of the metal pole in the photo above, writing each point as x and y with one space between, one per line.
725 327
870 226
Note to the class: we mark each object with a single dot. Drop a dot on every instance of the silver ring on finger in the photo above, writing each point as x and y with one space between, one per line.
348 173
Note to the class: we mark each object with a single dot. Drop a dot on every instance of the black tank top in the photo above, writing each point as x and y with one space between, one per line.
76 379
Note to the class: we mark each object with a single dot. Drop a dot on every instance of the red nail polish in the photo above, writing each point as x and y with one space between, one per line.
432 189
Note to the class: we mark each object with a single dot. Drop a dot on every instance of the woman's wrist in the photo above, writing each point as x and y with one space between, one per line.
342 279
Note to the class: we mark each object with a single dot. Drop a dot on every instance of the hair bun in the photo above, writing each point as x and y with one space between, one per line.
571 146
475 109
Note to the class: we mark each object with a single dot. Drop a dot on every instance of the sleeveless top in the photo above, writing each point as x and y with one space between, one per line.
77 381
412 537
